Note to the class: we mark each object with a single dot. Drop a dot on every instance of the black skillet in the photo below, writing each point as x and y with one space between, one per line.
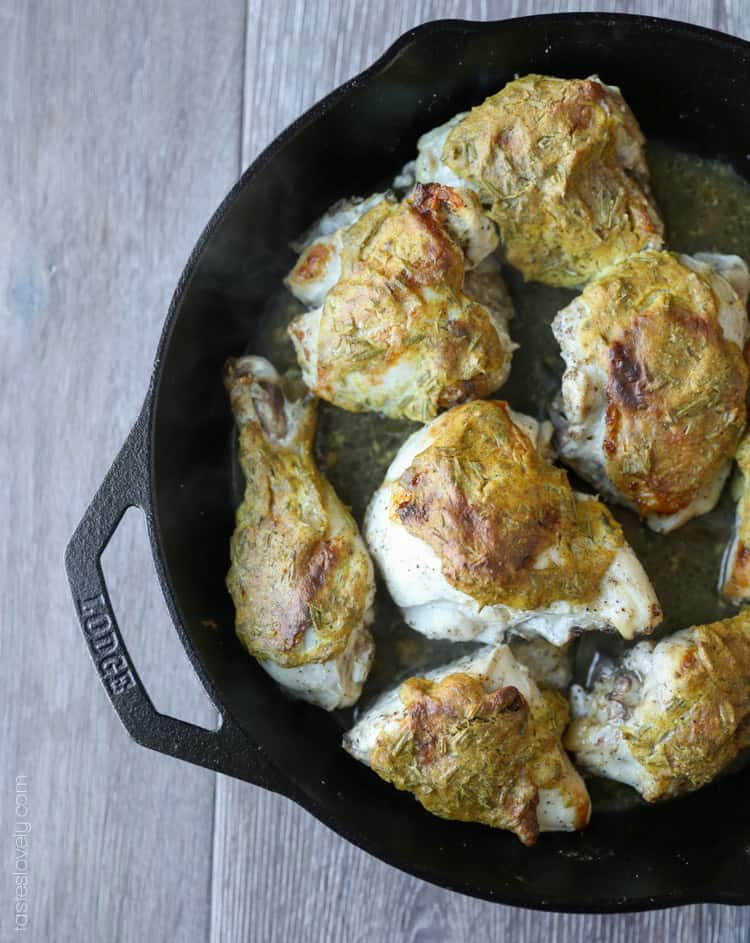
687 85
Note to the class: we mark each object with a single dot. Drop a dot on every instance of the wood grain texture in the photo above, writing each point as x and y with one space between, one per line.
119 131
122 124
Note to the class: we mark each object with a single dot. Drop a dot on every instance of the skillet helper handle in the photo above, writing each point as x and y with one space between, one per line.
226 749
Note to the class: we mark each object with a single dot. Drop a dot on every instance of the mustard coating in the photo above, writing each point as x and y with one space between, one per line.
561 164
400 305
676 386
685 741
474 756
298 568
492 508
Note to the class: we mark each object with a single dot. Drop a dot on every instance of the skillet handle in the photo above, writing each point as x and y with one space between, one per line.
226 749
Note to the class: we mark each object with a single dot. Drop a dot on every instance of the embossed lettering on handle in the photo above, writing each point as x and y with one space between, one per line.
228 748
110 658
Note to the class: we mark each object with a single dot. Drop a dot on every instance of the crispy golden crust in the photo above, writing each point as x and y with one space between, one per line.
676 387
561 163
400 302
736 583
476 757
490 506
685 741
293 568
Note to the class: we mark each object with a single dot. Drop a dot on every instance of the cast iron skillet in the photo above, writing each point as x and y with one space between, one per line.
691 87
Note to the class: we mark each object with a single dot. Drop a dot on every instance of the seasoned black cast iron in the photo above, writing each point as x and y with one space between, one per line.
687 85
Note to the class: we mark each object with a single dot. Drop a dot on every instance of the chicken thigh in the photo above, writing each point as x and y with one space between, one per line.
735 571
477 741
301 579
402 324
477 534
561 166
653 396
670 716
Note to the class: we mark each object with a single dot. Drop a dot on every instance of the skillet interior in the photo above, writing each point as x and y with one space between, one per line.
687 86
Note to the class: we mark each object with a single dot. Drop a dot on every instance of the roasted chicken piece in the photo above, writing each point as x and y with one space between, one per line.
477 741
652 404
318 267
301 579
560 164
551 666
403 326
478 535
670 716
735 570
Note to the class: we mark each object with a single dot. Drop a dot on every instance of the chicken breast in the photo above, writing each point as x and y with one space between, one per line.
477 535
670 716
560 164
734 582
477 741
301 579
403 326
652 403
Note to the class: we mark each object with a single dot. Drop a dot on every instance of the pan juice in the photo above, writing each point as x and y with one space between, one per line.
706 208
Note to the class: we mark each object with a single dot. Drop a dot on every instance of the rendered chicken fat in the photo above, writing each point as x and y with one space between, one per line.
653 396
477 741
301 579
399 327
671 715
477 535
560 164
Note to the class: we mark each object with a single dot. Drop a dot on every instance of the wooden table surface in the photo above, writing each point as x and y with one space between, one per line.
122 125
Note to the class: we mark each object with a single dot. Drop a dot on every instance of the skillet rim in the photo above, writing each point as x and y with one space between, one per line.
278 781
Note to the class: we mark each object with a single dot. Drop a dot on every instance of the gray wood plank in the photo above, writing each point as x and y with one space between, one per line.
119 133
279 874
297 53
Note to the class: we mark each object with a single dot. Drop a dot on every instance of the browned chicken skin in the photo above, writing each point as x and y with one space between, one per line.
477 536
301 578
397 331
671 715
560 165
653 398
477 741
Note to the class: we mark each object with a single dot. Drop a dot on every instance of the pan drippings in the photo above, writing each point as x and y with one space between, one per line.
706 206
